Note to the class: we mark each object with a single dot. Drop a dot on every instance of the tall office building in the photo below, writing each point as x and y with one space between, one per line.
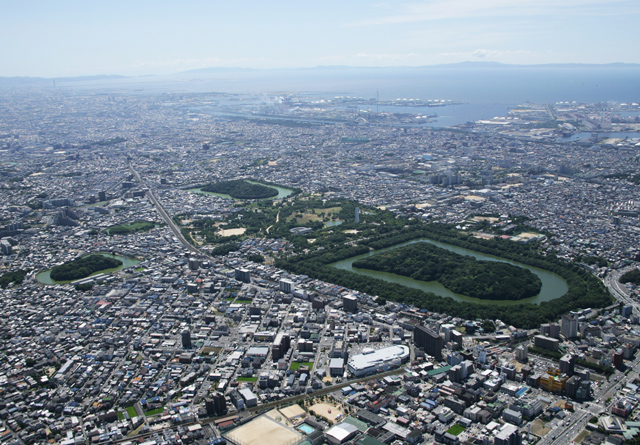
569 326
216 405
186 339
429 340
567 364
350 303
281 345
287 286
243 275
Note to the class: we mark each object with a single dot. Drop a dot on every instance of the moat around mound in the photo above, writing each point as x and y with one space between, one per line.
122 262
553 285
241 189
462 274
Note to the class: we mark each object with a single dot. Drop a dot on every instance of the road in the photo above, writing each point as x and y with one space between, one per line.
568 429
618 290
165 216
268 406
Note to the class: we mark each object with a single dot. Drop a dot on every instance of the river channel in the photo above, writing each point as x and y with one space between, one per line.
282 192
45 276
553 285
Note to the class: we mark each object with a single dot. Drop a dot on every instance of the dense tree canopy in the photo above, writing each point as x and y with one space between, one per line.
15 277
462 274
241 189
83 267
633 276
584 289
126 229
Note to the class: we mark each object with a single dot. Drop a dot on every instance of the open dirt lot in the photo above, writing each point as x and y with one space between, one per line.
264 431
293 412
322 409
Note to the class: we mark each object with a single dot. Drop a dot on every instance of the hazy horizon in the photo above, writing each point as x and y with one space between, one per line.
71 38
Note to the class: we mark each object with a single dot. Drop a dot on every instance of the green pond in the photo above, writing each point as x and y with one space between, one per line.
45 276
553 285
282 192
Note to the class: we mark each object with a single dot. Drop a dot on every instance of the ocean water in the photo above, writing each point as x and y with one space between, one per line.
499 85
486 91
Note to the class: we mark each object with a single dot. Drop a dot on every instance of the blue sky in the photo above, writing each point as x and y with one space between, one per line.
70 38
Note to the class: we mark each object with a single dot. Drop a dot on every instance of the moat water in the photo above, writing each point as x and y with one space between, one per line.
553 285
45 276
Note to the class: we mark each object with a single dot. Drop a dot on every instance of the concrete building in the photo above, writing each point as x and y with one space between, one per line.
508 435
287 286
336 367
567 364
429 340
540 341
569 326
243 275
350 303
186 339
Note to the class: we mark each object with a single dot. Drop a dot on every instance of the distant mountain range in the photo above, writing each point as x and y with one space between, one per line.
460 65
35 81
26 80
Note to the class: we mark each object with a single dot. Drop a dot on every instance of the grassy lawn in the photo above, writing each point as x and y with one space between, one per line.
244 301
247 379
315 215
132 412
154 412
456 429
120 416
296 365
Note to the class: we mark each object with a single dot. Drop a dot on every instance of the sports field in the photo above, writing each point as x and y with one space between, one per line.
264 431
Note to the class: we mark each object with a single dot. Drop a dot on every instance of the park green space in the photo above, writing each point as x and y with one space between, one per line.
296 365
241 189
247 379
244 189
565 286
269 218
134 227
328 254
552 285
633 276
83 267
45 276
15 277
456 429
463 274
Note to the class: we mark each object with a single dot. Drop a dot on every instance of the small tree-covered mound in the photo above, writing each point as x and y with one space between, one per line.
241 189
126 229
15 277
462 274
633 276
83 267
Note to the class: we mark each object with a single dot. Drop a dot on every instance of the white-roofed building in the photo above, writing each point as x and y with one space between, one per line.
341 433
371 361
